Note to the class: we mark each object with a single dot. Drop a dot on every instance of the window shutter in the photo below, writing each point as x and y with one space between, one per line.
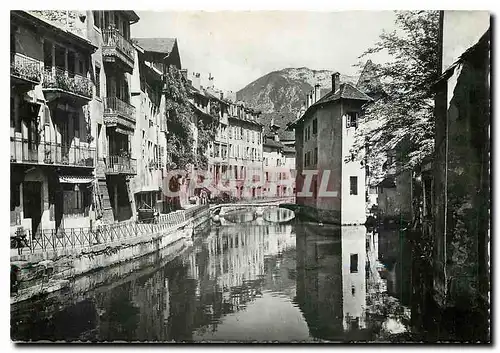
162 156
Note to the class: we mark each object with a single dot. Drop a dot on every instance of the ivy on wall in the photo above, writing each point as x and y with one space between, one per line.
180 121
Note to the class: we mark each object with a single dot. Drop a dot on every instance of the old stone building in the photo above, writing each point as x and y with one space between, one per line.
278 179
52 147
245 151
115 64
330 185
150 137
462 170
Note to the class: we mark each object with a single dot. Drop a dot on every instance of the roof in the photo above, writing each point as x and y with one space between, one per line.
481 44
71 179
288 149
272 143
251 121
345 91
156 45
286 135
132 15
35 18
387 183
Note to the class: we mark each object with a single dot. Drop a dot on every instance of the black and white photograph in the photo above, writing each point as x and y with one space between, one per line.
250 176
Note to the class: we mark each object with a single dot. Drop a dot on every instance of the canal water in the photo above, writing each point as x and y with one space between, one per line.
247 279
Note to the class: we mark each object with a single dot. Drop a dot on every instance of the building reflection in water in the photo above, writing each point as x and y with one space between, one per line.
245 281
339 287
353 277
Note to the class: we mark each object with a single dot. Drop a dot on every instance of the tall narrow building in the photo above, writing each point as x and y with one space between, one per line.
52 148
113 67
330 183
153 56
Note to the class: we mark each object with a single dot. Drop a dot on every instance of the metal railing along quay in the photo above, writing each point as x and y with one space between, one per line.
72 238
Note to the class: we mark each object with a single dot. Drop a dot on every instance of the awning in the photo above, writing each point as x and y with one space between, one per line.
147 189
69 179
124 131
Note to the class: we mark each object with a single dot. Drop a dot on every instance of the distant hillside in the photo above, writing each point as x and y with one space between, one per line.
280 94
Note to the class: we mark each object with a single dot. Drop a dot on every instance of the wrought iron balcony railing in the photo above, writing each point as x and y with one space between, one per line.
56 78
26 151
112 39
25 68
114 105
120 165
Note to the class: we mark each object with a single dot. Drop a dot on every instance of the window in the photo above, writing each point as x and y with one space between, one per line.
354 185
71 63
47 54
315 126
354 263
97 19
352 120
75 199
76 124
60 57
81 67
98 81
106 19
315 155
305 159
12 112
13 40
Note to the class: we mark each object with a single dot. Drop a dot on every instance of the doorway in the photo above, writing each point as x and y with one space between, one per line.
32 203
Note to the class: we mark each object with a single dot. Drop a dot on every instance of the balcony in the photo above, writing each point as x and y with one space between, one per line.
61 84
24 151
120 165
25 70
117 112
117 49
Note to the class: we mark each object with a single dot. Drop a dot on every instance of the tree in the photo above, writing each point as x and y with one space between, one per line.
404 113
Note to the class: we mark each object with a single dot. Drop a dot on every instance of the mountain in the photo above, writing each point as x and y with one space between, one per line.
280 94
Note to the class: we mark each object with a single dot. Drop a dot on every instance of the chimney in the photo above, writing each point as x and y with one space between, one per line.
210 81
335 82
310 98
196 80
221 95
184 73
316 92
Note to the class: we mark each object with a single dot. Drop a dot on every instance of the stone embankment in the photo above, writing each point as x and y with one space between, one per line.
42 270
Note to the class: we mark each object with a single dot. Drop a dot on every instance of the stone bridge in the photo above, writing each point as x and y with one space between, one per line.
261 209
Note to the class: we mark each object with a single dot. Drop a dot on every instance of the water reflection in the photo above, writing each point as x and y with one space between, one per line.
240 216
243 282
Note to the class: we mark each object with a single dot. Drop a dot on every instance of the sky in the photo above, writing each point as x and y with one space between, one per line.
239 47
